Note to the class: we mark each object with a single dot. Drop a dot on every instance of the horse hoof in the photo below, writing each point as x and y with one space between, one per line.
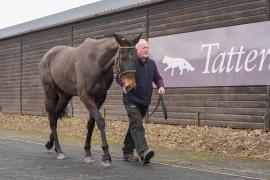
49 145
107 163
61 156
89 159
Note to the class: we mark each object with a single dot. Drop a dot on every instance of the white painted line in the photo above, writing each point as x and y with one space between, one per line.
164 164
229 174
21 140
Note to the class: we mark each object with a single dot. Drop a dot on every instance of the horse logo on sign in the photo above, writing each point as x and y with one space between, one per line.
179 63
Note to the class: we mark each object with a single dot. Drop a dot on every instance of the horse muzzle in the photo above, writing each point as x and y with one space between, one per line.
129 82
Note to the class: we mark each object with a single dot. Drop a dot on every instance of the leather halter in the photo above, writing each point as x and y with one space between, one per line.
117 61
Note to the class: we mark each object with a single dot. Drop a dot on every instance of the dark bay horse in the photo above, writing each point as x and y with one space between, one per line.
86 71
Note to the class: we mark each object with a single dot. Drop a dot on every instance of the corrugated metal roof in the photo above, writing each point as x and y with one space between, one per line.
79 13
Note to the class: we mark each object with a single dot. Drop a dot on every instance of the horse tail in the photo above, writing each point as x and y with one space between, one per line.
55 97
49 86
44 68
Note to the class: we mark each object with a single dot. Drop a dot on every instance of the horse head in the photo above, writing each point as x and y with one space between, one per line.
127 60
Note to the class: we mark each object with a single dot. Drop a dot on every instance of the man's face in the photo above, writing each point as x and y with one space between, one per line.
143 51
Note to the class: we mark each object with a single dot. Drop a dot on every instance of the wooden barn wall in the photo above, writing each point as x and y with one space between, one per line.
34 46
237 107
10 76
194 15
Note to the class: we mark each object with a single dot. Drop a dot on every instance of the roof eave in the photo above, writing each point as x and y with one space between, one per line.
83 18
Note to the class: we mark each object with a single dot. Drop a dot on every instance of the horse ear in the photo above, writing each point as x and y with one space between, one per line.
118 39
136 39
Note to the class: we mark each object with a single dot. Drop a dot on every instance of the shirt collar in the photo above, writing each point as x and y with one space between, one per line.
143 60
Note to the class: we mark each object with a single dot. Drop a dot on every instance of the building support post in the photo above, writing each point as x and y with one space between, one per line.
266 116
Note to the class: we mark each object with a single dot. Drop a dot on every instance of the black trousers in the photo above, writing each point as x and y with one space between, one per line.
135 137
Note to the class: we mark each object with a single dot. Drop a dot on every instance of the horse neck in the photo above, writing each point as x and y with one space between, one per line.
109 49
104 51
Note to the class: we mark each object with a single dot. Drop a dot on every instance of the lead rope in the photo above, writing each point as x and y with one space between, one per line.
160 99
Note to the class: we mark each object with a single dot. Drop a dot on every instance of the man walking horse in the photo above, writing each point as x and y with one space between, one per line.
86 71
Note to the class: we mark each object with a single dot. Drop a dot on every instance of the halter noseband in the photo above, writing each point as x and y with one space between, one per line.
117 62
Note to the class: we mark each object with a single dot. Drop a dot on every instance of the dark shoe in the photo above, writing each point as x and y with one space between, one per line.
146 156
129 156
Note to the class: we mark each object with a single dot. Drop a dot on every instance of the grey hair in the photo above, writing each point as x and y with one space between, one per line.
141 41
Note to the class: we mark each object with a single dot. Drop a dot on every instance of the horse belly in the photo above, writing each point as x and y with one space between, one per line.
68 87
65 84
100 88
65 77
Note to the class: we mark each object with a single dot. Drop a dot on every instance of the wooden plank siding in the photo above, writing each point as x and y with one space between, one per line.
237 107
10 76
34 46
223 106
218 106
195 15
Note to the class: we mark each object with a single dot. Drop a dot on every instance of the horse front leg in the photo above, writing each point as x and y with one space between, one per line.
87 147
89 103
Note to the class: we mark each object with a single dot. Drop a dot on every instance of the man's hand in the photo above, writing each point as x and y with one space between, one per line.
161 90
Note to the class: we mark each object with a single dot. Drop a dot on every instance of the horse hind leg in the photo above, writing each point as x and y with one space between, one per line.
54 105
59 112
50 143
51 100
63 101
53 124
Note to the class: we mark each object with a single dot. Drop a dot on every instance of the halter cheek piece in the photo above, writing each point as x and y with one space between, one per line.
117 62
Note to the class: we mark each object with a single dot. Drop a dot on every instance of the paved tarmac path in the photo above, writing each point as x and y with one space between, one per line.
25 160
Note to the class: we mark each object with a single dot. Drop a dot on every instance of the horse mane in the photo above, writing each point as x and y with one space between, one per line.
108 35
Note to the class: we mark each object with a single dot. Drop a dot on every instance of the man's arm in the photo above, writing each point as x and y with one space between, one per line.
158 80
